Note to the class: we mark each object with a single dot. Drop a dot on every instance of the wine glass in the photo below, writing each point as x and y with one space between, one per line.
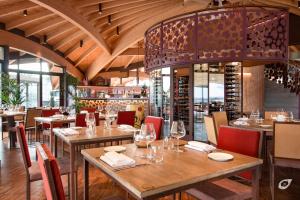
290 116
178 131
90 120
147 134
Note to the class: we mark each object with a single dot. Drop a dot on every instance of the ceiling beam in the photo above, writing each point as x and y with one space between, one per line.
15 8
23 44
76 46
133 52
84 55
44 26
67 39
65 27
130 60
65 11
137 34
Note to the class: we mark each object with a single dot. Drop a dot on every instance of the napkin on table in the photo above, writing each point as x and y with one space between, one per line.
69 131
117 160
200 146
241 123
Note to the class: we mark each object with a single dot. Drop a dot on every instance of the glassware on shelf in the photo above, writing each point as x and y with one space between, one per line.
178 131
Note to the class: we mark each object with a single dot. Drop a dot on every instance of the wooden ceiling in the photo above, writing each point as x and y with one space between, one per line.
86 39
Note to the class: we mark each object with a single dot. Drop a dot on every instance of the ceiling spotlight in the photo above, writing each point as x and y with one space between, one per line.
45 38
81 43
100 8
109 19
25 13
118 30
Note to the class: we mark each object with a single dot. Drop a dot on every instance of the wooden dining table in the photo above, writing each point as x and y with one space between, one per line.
177 172
266 125
83 137
51 121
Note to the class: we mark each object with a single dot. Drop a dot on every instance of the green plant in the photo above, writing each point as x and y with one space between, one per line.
11 91
72 90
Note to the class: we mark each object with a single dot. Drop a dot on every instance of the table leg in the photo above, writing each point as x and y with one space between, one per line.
72 170
86 179
255 182
55 145
35 130
51 137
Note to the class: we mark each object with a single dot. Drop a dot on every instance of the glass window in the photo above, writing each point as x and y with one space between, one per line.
30 64
1 53
51 92
30 84
12 75
13 66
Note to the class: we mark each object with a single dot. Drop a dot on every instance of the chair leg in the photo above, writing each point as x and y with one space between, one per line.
28 190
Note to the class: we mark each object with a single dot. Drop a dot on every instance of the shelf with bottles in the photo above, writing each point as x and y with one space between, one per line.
233 90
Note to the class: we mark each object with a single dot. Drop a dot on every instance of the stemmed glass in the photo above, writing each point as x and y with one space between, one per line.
147 134
90 121
178 131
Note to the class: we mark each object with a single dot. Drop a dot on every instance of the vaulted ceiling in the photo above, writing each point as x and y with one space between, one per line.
86 40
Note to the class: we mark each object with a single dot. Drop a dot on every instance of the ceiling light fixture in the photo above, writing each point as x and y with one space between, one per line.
100 8
81 43
25 13
109 19
118 30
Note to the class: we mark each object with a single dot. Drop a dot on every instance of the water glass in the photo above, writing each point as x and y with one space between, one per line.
90 122
156 152
168 143
178 131
147 134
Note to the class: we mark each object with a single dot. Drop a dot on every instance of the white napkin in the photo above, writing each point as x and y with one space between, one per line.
241 123
84 112
117 160
200 146
126 127
69 131
243 119
280 118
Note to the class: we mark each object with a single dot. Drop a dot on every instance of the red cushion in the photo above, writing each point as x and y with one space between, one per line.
126 117
239 141
49 113
23 142
157 123
90 110
55 173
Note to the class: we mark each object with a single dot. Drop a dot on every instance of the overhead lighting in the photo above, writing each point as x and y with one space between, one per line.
25 13
109 19
100 11
118 30
81 43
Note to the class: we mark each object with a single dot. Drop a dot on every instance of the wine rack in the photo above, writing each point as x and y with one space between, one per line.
233 91
156 90
181 99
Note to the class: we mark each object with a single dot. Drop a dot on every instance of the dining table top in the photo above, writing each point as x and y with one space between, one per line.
12 113
101 134
176 171
50 119
265 125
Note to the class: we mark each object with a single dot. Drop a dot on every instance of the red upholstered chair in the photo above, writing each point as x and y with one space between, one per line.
49 113
236 140
31 167
80 119
241 141
126 117
90 110
158 123
50 173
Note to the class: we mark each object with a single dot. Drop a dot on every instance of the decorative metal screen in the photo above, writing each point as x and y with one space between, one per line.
229 34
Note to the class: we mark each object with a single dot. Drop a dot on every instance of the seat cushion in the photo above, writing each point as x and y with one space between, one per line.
221 189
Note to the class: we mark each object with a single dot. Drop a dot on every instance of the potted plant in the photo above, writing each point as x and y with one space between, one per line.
72 90
11 94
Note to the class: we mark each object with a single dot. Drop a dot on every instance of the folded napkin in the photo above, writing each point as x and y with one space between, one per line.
117 160
200 146
243 119
69 131
241 123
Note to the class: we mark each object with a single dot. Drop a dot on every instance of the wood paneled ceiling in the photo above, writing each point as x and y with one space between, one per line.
84 35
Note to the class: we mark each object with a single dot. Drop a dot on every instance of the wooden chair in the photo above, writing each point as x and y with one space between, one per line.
220 119
210 130
268 114
29 120
126 117
285 161
31 167
158 123
236 140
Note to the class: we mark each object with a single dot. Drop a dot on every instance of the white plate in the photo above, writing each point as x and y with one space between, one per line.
115 148
265 125
218 156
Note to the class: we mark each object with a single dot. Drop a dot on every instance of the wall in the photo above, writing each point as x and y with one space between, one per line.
253 88
278 97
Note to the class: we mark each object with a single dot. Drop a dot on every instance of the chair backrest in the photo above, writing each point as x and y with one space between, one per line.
30 115
246 142
50 173
268 114
158 123
210 130
49 112
287 140
80 119
220 119
23 146
126 117
89 109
